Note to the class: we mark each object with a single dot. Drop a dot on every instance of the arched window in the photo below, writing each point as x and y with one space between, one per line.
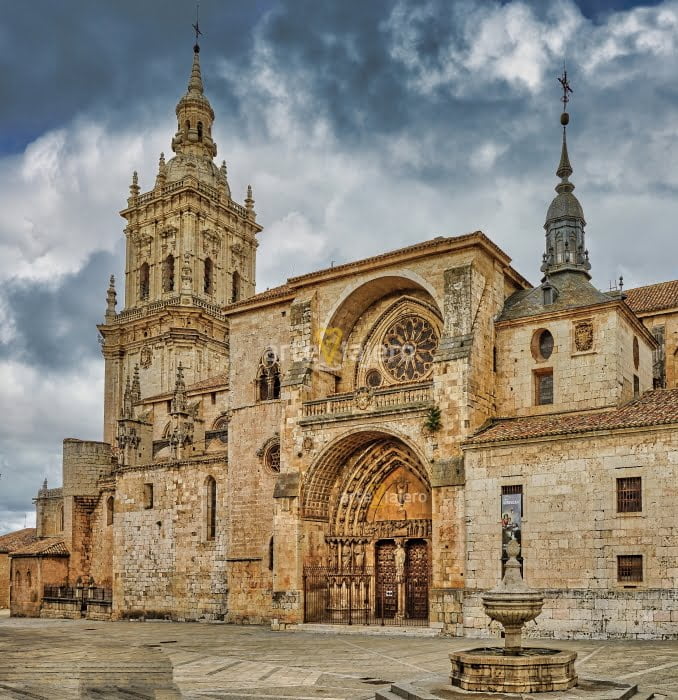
17 579
28 579
199 131
209 276
211 508
60 519
268 377
168 274
235 293
144 285
187 127
109 511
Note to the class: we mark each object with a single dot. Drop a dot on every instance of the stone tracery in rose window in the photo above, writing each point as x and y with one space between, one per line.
408 347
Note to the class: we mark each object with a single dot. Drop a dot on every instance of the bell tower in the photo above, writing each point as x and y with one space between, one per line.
190 251
186 236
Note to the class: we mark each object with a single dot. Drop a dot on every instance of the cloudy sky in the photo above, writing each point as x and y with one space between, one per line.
362 125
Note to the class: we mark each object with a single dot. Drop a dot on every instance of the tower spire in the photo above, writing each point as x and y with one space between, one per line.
565 247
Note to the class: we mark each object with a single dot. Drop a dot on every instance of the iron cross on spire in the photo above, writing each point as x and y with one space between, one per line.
196 26
566 89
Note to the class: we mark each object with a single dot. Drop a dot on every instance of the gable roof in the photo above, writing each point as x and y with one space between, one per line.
428 247
49 547
653 297
657 407
17 539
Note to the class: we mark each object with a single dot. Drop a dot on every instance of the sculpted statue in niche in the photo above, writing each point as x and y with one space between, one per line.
359 557
346 556
400 556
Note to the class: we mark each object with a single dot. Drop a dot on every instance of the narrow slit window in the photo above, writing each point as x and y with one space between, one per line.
148 496
211 503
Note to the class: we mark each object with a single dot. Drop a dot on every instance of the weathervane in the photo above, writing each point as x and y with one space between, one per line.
196 26
567 90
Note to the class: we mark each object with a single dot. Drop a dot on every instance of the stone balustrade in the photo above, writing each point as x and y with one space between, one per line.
398 398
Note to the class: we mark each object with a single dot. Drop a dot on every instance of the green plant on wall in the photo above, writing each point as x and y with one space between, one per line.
433 420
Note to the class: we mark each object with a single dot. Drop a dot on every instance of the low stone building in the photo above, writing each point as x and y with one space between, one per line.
359 444
8 544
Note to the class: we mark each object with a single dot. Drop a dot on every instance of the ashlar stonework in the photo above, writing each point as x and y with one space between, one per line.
363 440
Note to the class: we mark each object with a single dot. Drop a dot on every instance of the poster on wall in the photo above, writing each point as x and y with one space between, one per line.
511 518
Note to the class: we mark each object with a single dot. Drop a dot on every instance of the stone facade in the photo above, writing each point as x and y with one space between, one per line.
340 445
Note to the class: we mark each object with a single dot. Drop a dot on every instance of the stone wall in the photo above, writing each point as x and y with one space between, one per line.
4 580
589 614
26 598
572 533
582 379
164 564
101 561
84 463
669 321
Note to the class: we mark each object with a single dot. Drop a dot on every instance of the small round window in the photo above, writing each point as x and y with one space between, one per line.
373 378
272 457
545 345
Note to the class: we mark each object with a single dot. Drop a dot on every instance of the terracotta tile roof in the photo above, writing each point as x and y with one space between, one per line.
48 547
657 407
17 539
654 297
272 293
210 382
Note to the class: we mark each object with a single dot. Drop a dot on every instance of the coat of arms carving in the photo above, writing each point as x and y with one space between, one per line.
146 357
583 336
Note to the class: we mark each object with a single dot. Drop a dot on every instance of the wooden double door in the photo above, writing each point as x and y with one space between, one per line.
417 577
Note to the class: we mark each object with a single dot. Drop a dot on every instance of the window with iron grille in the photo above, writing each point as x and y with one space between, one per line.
629 495
630 568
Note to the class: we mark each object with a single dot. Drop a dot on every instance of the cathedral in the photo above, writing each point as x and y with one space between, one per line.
359 445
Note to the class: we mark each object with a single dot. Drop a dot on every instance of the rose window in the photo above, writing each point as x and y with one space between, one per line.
408 347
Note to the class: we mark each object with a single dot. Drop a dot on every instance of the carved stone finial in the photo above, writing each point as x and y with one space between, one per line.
134 187
111 300
179 399
249 202
136 386
127 401
44 485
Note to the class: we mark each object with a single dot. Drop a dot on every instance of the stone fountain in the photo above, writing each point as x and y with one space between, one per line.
513 668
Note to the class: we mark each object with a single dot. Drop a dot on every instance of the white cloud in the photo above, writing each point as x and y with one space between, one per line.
495 43
321 199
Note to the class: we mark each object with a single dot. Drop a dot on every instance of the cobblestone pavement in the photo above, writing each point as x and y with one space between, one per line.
55 659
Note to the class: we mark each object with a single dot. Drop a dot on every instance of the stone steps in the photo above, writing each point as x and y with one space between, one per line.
409 691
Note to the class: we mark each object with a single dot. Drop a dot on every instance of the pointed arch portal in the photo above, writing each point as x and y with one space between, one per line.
370 494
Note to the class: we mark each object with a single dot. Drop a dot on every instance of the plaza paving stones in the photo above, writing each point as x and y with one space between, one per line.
55 659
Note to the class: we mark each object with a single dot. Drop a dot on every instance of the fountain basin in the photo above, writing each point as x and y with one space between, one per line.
528 670
512 608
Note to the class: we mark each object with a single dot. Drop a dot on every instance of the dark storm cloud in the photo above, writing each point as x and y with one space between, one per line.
363 126
54 326
60 58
